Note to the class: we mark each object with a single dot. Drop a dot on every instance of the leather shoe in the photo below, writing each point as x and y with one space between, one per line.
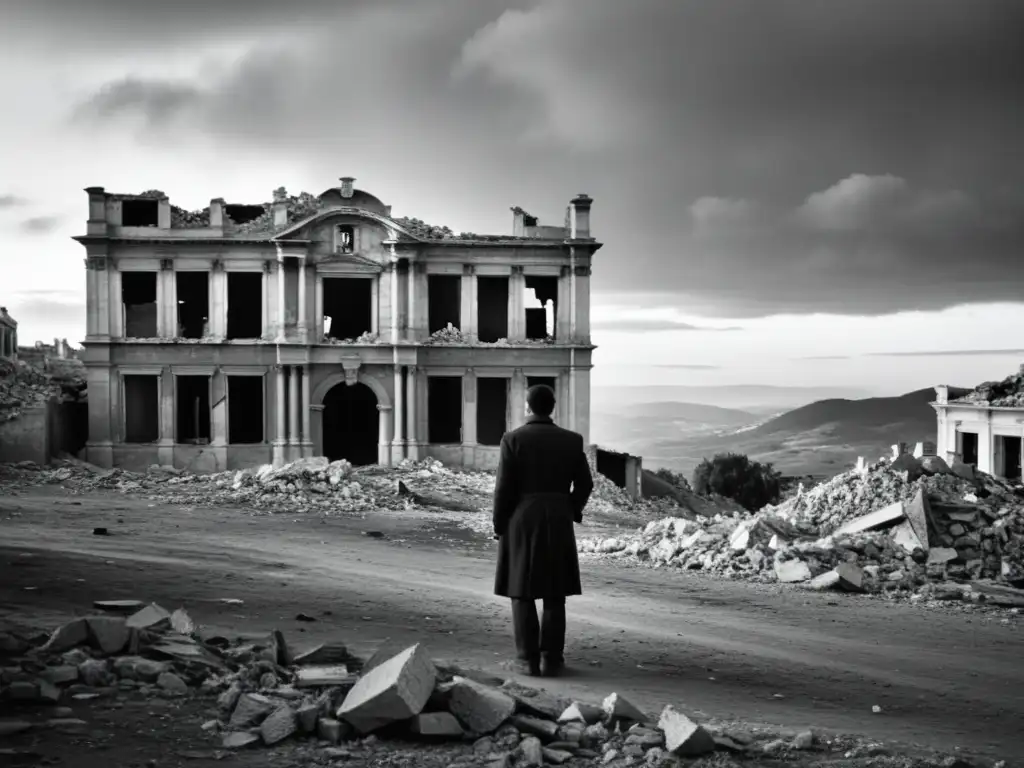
551 667
530 668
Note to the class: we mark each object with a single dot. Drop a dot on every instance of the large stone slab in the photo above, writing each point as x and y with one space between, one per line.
250 710
150 617
281 724
436 724
683 737
329 654
919 515
480 708
109 634
580 712
792 571
904 536
395 690
880 518
68 636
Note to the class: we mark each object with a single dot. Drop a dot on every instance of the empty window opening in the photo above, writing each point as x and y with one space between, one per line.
444 409
969 447
351 424
245 409
444 301
138 294
245 305
140 213
243 214
193 409
492 308
344 238
613 466
141 409
541 303
193 304
491 409
348 307
1011 456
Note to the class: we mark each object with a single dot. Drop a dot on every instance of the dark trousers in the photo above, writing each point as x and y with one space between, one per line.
534 637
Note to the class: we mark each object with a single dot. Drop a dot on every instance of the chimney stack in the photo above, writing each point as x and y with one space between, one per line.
346 186
579 217
279 207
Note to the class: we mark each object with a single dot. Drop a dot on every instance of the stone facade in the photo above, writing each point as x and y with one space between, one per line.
989 436
323 325
8 335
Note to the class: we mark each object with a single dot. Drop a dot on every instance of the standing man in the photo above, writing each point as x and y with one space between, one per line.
543 484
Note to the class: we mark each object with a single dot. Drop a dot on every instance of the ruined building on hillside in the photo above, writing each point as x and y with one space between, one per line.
983 426
323 325
8 335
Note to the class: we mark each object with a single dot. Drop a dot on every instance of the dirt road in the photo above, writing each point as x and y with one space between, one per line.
719 649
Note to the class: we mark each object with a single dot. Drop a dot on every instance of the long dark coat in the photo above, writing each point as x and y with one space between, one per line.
543 484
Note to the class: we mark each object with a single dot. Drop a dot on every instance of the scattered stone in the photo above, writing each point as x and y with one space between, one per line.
395 690
803 740
479 708
546 729
68 636
119 606
67 724
440 724
171 683
109 634
307 716
329 729
239 739
792 571
279 725
94 673
326 654
321 677
251 710
150 617
556 756
683 737
532 752
582 713
60 675
617 709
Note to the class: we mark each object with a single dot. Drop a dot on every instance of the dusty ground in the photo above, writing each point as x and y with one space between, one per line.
720 650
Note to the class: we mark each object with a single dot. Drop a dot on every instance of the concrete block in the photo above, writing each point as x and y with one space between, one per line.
618 709
480 708
239 739
395 690
109 634
683 737
279 725
436 724
851 577
886 516
150 617
579 712
250 710
919 516
792 571
329 729
66 637
320 677
532 752
329 654
308 715
545 729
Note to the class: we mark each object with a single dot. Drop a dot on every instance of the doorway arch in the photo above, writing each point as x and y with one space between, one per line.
350 423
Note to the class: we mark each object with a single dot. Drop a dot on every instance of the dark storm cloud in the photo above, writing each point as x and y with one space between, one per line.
746 158
40 225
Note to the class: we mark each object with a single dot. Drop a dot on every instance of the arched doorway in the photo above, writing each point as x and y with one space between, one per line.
351 424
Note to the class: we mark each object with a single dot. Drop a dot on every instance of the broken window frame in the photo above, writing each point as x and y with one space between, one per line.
507 379
481 312
178 376
244 374
554 284
124 374
178 302
371 281
138 203
344 239
435 279
156 303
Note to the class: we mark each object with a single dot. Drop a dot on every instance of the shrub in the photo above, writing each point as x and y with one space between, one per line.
672 478
733 475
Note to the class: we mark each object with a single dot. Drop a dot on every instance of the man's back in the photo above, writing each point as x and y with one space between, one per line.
546 457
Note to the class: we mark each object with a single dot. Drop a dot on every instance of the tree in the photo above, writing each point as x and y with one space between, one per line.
733 475
672 478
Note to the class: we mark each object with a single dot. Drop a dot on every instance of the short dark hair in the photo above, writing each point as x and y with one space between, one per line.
541 399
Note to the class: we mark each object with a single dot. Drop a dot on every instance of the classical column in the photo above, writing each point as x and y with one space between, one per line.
307 438
411 323
581 403
268 323
219 409
411 432
301 322
562 308
318 309
517 399
167 298
293 409
581 303
281 314
165 387
516 305
116 306
397 443
375 306
469 407
279 413
394 303
468 310
384 435
218 300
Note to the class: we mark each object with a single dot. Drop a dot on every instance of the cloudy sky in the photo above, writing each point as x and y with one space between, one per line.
789 192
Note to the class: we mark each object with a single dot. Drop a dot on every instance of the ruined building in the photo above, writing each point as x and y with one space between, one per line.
322 325
983 426
8 335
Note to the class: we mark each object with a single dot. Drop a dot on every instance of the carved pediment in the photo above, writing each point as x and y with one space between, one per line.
348 263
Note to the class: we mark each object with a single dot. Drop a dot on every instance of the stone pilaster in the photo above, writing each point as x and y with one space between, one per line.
167 412
384 427
398 441
412 439
468 313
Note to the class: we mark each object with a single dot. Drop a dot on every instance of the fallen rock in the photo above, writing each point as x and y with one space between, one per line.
851 577
60 675
880 518
556 756
251 710
546 729
395 690
326 654
308 715
119 606
683 737
171 683
439 724
322 677
329 729
617 709
150 617
580 712
792 571
279 725
239 739
532 752
480 708
68 636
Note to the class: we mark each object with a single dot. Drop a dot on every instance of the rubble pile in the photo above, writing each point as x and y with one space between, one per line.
884 527
266 694
316 485
447 335
1008 393
23 386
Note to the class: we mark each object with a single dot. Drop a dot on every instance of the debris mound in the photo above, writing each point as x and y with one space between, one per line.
881 527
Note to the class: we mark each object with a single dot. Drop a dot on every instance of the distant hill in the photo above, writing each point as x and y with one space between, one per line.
821 438
745 397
